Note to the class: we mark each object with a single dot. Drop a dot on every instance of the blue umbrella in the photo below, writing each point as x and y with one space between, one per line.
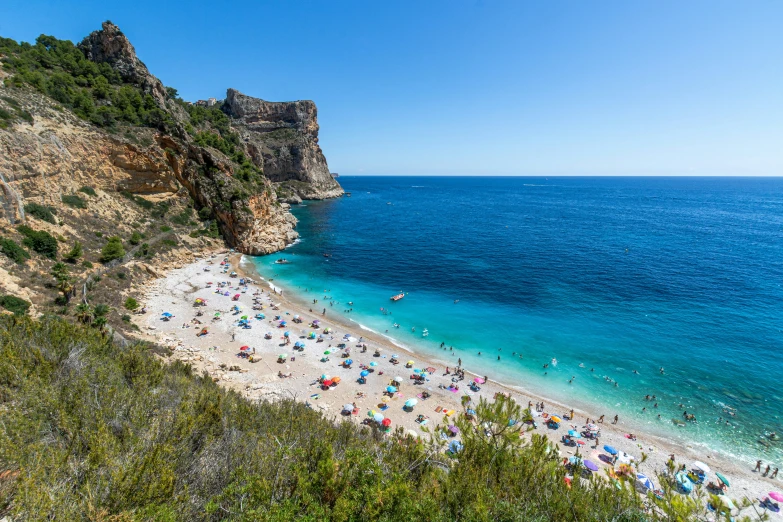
574 434
364 373
471 412
610 450
286 334
644 481
349 361
391 389
166 314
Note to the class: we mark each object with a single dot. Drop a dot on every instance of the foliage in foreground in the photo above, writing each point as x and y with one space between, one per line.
89 429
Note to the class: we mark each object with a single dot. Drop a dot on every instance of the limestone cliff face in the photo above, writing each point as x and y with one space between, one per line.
282 138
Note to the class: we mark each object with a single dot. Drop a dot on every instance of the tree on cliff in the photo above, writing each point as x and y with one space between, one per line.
63 277
112 250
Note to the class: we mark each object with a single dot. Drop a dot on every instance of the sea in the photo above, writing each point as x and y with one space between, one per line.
624 286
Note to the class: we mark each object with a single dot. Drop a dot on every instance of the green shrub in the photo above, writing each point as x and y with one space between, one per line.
140 201
122 275
165 228
112 250
144 251
131 304
98 234
14 304
205 213
86 264
42 212
88 190
75 253
12 250
74 201
135 238
126 318
169 242
39 241
183 218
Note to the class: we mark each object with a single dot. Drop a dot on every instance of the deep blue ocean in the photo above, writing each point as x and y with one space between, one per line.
605 275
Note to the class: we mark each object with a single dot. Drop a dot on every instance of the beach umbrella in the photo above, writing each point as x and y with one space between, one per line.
348 407
575 460
283 356
286 334
244 317
395 356
373 364
702 466
453 429
336 380
556 419
325 377
644 481
312 335
415 435
610 450
410 403
348 361
296 317
377 417
283 323
327 382
364 373
391 389
727 501
592 466
217 314
574 434
398 379
430 369
166 314
471 412
478 380
386 422
244 348
580 442
410 362
722 479
327 352
774 495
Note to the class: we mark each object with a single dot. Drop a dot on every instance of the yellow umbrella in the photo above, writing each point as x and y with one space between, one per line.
556 419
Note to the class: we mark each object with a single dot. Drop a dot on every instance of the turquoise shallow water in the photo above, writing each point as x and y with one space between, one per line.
615 274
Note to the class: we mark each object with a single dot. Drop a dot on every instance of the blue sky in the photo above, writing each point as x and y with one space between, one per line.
480 87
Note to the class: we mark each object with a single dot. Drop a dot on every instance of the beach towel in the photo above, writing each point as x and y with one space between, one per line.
449 413
438 409
315 396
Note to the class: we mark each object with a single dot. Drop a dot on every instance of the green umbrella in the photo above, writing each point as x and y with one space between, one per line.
243 317
327 352
723 479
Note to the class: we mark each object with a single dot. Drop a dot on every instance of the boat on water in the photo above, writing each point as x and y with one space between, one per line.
282 261
327 255
397 297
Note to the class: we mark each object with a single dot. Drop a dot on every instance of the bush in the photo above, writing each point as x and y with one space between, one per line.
98 234
140 201
88 190
165 228
112 250
131 304
75 253
42 212
14 304
144 251
122 275
135 238
183 218
205 213
86 264
74 201
12 250
39 241
126 318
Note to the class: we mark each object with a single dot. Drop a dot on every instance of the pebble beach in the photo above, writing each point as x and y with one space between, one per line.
260 373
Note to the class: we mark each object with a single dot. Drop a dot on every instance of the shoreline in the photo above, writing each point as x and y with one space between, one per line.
260 382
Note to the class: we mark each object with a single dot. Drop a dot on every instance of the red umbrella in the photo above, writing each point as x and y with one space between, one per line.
245 348
328 382
386 422
580 442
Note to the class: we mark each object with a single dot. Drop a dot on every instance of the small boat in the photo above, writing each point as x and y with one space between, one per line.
327 255
282 261
397 297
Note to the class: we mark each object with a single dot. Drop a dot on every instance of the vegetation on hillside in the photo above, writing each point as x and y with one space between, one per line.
93 430
94 92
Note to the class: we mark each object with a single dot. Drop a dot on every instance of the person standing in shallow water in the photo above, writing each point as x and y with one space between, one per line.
615 420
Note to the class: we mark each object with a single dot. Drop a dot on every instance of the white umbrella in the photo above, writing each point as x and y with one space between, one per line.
398 379
702 466
348 407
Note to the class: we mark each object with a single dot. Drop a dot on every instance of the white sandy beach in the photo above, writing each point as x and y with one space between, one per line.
216 354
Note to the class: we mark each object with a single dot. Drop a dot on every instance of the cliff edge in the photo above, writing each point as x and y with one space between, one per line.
282 139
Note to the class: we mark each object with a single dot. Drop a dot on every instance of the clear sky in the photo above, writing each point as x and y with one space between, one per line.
477 87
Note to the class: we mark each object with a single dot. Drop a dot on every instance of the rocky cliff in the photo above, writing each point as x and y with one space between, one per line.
282 138
234 171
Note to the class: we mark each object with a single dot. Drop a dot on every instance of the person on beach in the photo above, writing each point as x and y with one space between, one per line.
615 420
766 471
758 466
774 473
459 362
601 419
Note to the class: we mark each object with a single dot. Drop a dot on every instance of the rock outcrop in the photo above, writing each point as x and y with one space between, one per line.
282 138
110 46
